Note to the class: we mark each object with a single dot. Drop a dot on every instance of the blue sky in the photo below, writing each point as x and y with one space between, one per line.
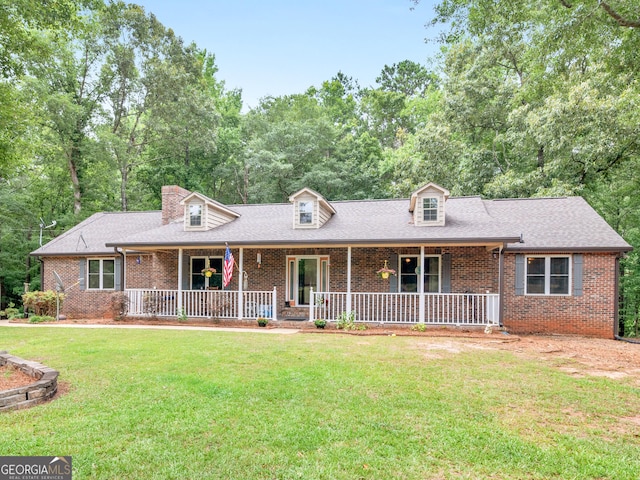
280 47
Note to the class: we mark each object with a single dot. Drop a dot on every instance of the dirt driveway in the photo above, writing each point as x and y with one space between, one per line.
585 356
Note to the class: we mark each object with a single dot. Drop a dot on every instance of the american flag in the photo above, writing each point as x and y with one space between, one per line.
227 270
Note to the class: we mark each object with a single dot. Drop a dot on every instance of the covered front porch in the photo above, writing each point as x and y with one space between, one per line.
437 285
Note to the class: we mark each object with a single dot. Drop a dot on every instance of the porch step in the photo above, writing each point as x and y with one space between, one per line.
296 319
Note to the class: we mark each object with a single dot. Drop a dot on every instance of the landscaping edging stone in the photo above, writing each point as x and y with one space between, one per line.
42 389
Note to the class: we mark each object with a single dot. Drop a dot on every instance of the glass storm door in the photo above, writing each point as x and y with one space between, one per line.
304 274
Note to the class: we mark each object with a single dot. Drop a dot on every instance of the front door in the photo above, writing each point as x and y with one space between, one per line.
304 274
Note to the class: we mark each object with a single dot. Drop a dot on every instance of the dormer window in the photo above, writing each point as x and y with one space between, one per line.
428 205
202 213
430 209
195 215
311 210
306 213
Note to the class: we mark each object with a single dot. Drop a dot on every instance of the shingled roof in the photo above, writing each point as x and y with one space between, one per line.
547 224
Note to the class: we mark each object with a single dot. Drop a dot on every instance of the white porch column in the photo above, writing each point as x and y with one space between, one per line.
274 304
179 312
240 284
421 285
348 279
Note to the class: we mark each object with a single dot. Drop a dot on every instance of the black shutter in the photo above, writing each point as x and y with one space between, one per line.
577 274
394 279
519 274
117 270
446 273
186 271
83 274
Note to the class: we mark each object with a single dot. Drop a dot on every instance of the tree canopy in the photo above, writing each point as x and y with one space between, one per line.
101 105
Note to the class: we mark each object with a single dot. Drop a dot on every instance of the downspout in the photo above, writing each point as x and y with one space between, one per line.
349 279
180 273
501 285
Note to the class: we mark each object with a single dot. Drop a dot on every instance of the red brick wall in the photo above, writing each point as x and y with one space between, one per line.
171 197
473 270
592 314
77 303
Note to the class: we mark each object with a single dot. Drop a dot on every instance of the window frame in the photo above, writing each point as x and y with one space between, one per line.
431 209
193 216
307 210
419 270
547 275
100 274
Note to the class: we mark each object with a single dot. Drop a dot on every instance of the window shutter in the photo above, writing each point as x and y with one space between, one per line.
446 273
519 274
577 274
186 271
83 274
117 270
393 279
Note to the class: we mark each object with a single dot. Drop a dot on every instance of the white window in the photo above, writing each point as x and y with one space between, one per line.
547 275
101 274
200 279
409 272
195 215
306 213
430 209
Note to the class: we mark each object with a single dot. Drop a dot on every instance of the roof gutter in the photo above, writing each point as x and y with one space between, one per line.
332 242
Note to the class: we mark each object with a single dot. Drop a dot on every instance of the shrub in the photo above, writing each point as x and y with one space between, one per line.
320 322
119 305
419 327
11 312
42 303
347 321
263 321
41 319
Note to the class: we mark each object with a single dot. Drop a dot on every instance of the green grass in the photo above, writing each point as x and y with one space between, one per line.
223 405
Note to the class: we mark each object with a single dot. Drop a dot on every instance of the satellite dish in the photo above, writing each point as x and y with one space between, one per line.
59 283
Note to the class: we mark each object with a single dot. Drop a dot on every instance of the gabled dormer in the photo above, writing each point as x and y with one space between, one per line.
202 213
428 205
310 209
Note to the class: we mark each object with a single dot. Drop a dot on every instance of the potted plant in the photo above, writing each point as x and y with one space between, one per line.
385 271
320 322
262 322
207 272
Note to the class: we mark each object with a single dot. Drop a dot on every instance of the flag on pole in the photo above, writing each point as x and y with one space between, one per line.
227 269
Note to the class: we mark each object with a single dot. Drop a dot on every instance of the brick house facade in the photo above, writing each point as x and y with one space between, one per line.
532 266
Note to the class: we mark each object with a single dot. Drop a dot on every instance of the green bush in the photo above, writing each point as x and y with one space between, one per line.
41 319
42 303
347 321
11 311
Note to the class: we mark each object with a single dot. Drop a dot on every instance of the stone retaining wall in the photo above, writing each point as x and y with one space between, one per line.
42 389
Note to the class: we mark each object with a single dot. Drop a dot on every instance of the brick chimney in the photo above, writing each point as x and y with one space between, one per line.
171 208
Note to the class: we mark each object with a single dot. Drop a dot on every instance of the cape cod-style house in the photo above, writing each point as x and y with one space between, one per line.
546 265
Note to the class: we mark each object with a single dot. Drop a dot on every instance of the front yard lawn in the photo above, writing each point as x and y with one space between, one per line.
140 404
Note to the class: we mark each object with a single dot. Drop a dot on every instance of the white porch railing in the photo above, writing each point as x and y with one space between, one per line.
430 308
436 308
200 303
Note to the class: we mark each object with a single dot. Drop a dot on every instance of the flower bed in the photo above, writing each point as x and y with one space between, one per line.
44 386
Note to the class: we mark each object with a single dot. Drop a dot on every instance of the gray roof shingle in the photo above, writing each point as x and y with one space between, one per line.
558 224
